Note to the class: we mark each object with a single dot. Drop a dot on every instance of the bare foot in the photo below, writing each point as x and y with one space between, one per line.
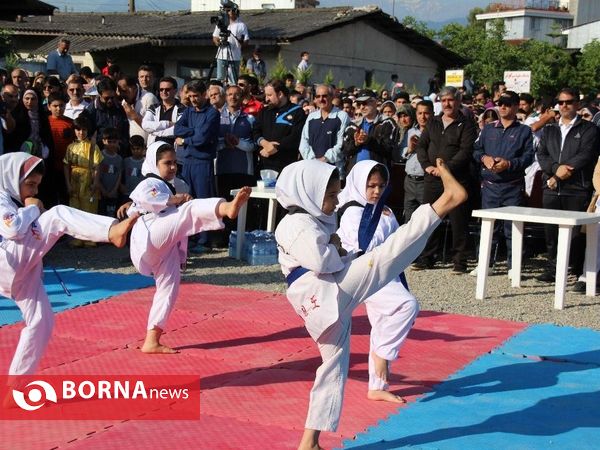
385 396
454 193
232 208
310 440
381 367
117 234
157 348
152 343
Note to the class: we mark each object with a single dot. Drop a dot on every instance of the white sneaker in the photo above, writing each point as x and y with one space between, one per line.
473 272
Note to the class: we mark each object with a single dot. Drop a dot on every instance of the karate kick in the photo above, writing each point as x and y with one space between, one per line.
27 233
325 285
158 245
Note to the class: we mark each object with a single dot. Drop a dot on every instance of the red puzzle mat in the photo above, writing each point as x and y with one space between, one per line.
256 363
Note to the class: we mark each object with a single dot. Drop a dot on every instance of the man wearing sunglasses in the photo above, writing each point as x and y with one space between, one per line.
159 119
504 149
76 104
567 155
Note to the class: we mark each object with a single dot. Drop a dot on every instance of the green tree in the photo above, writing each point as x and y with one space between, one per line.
588 67
419 26
328 80
279 70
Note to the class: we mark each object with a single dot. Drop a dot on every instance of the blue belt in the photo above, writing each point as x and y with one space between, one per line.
295 274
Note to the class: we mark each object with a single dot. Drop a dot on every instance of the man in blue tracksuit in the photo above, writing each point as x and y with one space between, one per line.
197 130
504 149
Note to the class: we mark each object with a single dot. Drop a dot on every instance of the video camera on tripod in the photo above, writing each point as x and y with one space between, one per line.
221 20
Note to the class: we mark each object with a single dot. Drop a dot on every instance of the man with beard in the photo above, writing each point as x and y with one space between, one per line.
278 128
106 112
250 104
323 132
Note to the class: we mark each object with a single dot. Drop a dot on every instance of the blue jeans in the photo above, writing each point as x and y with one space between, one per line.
228 69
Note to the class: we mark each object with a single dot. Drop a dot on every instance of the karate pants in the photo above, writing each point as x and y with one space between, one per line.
392 312
358 281
22 278
158 246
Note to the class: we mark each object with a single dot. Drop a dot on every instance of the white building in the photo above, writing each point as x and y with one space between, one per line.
213 5
586 27
530 19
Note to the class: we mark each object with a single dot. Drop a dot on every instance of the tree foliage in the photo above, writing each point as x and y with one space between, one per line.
419 26
490 56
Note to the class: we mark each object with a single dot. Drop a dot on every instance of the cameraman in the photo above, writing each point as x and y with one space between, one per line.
230 41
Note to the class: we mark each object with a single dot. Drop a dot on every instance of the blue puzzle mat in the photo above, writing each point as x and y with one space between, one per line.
540 390
85 287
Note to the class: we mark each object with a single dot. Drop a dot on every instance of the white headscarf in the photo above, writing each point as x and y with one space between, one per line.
150 163
14 168
356 183
303 184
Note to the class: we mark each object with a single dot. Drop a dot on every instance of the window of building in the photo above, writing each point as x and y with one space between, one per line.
535 23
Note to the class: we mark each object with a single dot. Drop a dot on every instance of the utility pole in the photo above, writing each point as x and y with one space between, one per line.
131 6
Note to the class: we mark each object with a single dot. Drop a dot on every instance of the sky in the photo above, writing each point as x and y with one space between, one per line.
425 10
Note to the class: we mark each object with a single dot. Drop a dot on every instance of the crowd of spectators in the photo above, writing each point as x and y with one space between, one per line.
92 131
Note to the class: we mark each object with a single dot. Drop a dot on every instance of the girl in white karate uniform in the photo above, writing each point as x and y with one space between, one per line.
393 309
325 284
159 239
27 233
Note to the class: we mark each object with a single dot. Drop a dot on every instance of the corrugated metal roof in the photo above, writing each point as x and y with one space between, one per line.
277 25
82 44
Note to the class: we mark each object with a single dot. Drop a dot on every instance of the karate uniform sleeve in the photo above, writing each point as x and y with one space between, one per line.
348 231
15 221
312 250
150 196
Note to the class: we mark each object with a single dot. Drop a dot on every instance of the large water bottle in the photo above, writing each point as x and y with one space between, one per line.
232 243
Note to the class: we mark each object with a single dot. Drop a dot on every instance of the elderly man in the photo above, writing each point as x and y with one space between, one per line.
449 136
373 136
567 154
60 62
19 78
323 132
216 96
135 102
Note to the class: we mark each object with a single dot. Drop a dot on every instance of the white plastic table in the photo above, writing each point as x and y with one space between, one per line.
266 193
565 220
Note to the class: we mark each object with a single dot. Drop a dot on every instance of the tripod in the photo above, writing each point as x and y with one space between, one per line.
231 72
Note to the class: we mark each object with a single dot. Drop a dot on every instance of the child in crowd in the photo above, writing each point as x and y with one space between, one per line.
81 173
393 309
27 233
61 129
325 285
132 165
158 244
110 169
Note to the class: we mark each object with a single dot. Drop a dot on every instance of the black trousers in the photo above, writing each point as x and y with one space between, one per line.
225 184
459 222
566 203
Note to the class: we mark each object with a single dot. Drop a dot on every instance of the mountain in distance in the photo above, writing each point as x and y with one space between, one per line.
439 25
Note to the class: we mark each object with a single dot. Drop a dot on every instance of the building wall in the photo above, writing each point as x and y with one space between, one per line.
213 5
352 50
585 11
584 34
531 27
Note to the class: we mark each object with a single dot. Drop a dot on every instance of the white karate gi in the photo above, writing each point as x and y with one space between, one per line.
26 237
326 295
159 238
393 309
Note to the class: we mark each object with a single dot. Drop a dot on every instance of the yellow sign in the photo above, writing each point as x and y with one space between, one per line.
455 78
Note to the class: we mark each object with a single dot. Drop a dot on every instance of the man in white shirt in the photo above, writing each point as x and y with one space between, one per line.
229 54
76 104
303 64
135 102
